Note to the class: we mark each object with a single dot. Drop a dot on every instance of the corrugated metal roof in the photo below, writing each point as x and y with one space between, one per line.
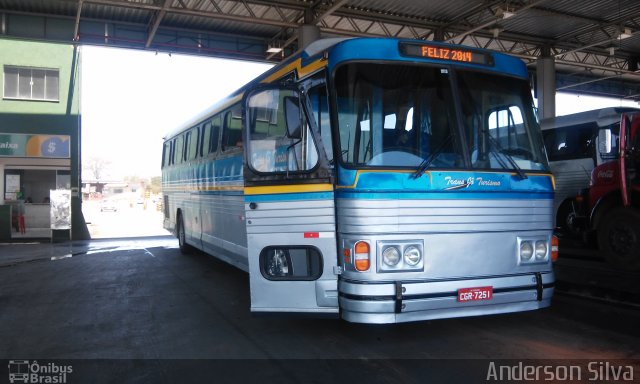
582 35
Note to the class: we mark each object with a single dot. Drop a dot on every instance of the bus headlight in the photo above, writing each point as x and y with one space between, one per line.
391 256
412 255
400 256
526 250
541 249
533 250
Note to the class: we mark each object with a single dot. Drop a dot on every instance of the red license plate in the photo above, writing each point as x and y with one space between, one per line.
475 294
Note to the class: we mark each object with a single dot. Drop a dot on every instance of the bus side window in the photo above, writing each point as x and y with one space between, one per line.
232 130
172 152
193 144
178 150
205 140
215 134
187 146
166 154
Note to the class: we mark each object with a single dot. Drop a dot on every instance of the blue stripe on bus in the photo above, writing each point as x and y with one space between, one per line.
443 195
440 181
400 195
289 197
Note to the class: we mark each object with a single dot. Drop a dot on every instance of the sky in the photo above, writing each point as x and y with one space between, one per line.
130 99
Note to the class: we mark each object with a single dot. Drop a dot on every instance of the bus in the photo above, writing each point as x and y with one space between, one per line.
373 179
571 142
595 157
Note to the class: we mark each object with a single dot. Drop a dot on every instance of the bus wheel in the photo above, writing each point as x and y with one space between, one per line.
182 236
619 238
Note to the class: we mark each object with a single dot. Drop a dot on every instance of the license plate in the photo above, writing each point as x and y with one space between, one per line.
475 294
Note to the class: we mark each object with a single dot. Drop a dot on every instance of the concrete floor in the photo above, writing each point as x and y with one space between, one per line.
128 305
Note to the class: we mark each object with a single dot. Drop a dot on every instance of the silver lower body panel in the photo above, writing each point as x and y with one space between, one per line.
397 302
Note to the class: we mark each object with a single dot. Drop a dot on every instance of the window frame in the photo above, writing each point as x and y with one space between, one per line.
308 116
47 72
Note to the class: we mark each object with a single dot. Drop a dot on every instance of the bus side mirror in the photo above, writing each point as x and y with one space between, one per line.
604 141
292 117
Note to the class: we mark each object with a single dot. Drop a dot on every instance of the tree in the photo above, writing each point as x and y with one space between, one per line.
97 166
156 184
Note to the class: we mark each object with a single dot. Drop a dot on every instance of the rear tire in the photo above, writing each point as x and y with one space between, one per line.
619 238
182 236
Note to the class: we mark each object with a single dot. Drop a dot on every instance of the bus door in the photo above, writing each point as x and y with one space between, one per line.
629 154
289 205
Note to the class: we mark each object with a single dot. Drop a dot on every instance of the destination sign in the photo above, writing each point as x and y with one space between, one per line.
447 53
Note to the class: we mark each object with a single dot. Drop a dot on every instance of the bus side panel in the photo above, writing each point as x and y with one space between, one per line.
296 223
571 177
223 230
221 198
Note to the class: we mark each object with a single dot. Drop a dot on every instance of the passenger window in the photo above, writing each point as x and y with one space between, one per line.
193 144
280 138
205 142
172 159
232 131
570 143
215 134
166 154
178 151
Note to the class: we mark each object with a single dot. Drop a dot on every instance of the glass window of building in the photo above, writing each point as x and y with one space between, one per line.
26 83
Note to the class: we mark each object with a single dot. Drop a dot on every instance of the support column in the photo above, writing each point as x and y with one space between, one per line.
307 34
546 85
1 184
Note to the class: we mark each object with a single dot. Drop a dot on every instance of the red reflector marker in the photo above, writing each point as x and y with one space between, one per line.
311 235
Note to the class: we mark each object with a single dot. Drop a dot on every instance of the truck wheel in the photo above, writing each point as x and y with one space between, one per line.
619 238
182 236
566 221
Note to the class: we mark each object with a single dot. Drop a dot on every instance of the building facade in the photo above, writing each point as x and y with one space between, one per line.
40 131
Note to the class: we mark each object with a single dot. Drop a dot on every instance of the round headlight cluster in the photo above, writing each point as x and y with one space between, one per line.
412 255
541 249
391 256
526 250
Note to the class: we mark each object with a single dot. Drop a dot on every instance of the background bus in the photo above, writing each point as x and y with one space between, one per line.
594 156
572 147
381 180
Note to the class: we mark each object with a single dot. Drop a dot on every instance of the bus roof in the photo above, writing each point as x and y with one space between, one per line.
602 116
341 50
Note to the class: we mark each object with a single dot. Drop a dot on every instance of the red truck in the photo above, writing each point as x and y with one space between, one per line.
609 209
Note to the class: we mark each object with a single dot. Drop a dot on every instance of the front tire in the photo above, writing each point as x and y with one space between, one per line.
619 238
566 221
182 236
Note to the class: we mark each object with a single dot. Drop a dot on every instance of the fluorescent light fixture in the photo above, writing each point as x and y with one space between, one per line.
274 49
504 13
625 34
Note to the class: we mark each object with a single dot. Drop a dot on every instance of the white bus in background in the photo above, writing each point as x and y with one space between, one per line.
572 150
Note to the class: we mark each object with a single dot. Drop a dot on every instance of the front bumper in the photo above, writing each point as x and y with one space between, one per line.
403 301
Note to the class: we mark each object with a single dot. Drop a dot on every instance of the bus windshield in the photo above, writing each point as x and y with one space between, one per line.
406 116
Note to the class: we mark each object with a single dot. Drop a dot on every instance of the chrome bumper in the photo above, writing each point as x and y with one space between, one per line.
398 301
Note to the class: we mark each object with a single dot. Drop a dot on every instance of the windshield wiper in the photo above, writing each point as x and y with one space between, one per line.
498 147
432 156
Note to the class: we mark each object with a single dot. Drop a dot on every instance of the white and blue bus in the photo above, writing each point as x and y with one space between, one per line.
379 180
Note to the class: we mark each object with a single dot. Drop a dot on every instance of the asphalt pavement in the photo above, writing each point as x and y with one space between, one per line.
137 310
